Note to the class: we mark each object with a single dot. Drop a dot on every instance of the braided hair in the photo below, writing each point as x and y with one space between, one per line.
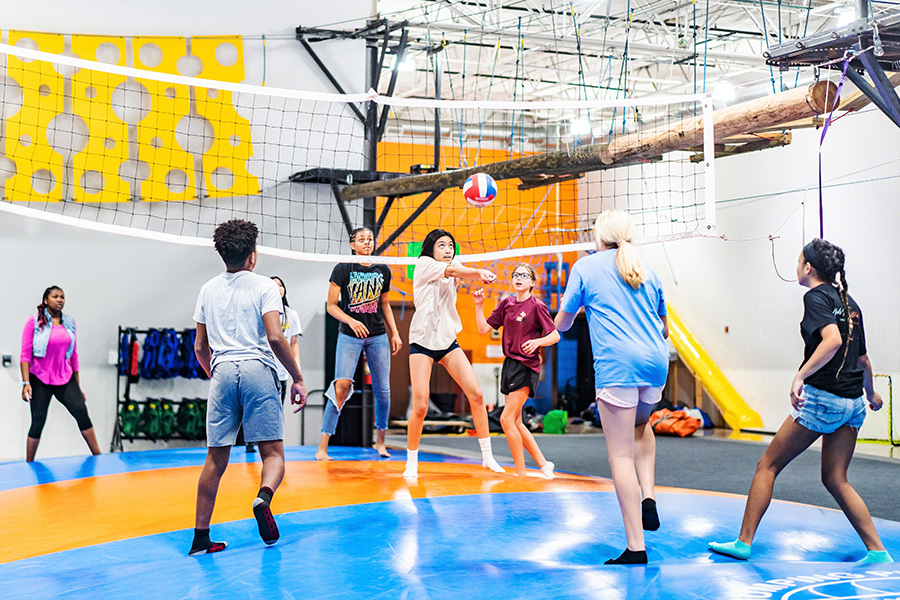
43 307
828 261
356 232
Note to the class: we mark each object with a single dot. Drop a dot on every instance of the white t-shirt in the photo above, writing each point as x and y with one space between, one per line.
290 323
231 305
435 323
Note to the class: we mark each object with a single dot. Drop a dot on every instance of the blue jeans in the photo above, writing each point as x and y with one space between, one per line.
378 357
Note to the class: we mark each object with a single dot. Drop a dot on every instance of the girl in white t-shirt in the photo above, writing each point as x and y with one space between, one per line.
290 324
432 338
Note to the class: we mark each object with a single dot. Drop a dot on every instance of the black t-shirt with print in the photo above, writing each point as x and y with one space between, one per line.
840 376
361 290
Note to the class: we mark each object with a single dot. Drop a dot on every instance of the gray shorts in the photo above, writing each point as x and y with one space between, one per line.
244 392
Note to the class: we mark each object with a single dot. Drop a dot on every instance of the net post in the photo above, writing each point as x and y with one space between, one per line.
709 163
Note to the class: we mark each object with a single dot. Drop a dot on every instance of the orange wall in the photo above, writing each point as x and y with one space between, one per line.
477 230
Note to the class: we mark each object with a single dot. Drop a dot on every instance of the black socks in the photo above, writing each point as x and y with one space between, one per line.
649 516
629 557
268 530
202 544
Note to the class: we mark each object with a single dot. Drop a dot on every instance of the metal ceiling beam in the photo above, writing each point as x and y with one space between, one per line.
594 45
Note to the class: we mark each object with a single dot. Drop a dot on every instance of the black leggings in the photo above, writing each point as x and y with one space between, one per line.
69 395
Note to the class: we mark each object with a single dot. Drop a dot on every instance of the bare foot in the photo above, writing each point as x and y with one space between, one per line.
382 451
323 455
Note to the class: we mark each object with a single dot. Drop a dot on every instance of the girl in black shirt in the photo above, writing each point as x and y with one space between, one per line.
827 400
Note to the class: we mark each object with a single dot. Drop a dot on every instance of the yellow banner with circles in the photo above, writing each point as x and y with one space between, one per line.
77 134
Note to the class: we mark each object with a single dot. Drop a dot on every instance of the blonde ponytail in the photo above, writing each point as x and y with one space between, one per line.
615 229
629 264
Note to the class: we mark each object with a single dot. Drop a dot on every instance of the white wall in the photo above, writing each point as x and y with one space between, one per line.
111 280
716 284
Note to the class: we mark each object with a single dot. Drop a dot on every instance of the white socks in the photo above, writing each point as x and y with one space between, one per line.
547 470
487 457
487 460
412 463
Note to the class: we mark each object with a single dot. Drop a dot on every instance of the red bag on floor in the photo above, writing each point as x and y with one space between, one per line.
674 422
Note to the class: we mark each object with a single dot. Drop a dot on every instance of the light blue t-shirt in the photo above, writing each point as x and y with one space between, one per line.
231 305
625 324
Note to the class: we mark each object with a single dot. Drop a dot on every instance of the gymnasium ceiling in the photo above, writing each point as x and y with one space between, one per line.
561 49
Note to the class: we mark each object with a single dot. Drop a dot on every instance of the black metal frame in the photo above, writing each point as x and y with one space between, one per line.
882 35
377 34
115 444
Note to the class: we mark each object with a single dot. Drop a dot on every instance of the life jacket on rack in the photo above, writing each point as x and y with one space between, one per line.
149 363
190 422
190 365
168 359
166 418
124 354
151 419
129 352
129 418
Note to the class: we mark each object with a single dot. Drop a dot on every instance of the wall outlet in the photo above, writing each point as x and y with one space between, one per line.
112 359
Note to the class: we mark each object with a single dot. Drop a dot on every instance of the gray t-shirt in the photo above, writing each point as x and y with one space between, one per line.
231 305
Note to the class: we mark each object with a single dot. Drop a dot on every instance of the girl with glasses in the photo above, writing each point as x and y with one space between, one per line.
527 326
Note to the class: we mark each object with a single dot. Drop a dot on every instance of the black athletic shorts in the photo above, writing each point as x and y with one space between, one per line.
435 355
515 376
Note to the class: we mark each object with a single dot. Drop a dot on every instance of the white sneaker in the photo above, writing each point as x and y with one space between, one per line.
547 470
412 470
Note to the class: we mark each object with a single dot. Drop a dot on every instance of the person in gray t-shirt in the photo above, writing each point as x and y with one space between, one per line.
239 336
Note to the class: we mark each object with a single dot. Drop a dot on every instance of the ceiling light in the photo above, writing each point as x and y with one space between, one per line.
580 126
846 16
408 64
723 92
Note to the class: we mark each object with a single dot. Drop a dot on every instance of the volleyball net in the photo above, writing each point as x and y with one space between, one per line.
160 153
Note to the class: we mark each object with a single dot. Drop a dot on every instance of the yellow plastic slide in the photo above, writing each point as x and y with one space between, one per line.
734 410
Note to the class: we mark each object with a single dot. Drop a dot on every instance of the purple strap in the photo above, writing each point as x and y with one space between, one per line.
822 140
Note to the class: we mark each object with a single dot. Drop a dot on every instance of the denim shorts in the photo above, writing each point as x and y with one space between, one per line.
823 412
244 392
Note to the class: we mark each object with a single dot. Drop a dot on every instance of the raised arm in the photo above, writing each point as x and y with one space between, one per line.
564 320
463 272
480 321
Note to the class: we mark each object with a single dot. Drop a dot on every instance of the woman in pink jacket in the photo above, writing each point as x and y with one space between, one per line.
49 364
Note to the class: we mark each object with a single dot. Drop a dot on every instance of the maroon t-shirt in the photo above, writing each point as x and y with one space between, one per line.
521 321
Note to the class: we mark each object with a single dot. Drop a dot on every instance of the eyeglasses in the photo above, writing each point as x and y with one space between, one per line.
518 275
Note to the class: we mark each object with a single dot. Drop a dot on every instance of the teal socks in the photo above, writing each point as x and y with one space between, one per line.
736 549
877 556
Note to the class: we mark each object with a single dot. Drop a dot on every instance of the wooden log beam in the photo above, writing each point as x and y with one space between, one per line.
744 118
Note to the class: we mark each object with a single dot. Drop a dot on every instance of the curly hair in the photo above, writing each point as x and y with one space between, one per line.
828 261
235 240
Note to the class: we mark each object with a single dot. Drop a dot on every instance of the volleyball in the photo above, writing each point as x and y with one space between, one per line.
480 190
